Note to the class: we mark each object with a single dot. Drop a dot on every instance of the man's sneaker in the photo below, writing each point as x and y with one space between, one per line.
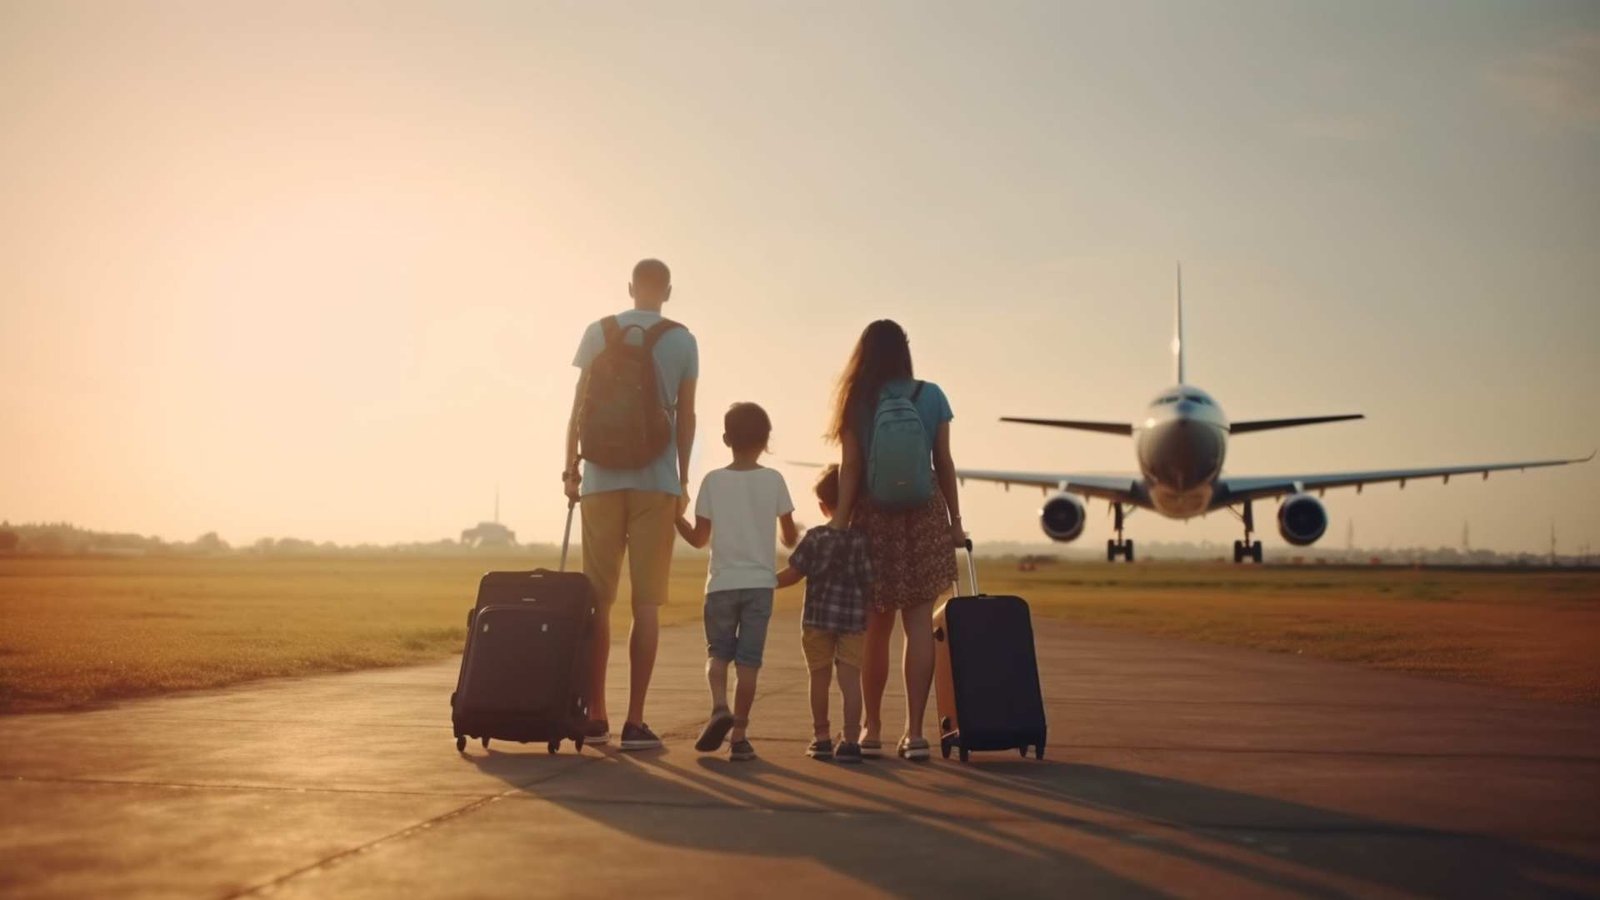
821 748
847 753
716 730
597 732
639 737
741 750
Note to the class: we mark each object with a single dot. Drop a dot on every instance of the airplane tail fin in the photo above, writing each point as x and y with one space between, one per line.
1177 329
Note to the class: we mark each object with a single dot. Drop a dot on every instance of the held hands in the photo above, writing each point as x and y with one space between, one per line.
683 498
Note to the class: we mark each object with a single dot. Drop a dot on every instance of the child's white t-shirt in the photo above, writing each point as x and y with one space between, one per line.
743 506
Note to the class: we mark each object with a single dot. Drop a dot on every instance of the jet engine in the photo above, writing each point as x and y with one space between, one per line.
1302 519
1062 517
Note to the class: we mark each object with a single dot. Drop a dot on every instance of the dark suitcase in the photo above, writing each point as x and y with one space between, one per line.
524 672
986 674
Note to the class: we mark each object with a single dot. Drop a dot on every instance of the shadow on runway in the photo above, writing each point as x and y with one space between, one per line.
1024 828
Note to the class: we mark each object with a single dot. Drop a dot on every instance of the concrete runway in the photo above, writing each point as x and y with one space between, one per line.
1173 769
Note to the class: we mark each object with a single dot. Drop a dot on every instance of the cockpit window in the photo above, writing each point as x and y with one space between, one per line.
1170 398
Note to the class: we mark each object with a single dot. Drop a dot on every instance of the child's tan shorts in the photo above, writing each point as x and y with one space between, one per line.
823 647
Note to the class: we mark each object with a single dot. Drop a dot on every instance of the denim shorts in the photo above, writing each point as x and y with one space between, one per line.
736 624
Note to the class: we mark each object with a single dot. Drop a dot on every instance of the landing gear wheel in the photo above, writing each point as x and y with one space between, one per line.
1255 552
461 744
553 746
1238 552
1127 550
1111 550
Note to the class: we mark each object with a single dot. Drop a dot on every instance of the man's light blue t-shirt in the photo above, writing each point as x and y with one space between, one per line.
677 358
933 408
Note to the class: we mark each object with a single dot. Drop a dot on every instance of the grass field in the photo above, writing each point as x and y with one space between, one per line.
76 632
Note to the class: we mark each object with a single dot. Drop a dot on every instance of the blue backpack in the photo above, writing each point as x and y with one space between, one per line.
899 469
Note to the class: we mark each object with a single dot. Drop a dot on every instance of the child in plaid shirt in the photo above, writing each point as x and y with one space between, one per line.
837 572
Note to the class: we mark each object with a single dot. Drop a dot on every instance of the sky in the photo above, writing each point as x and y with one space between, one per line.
318 270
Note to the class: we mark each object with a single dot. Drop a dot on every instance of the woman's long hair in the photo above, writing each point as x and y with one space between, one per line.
882 355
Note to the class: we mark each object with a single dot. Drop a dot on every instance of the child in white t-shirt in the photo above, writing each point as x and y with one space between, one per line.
737 511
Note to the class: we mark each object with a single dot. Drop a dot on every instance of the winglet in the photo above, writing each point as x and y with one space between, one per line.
1177 328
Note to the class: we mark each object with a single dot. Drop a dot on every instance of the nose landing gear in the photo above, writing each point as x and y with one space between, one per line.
1117 546
1247 549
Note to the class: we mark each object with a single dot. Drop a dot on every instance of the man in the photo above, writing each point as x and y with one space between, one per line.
631 510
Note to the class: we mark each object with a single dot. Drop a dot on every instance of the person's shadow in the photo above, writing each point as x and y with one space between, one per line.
1004 827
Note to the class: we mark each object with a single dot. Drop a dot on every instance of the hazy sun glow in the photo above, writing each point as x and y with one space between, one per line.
292 269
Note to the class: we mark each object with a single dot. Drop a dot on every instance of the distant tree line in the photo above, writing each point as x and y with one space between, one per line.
65 539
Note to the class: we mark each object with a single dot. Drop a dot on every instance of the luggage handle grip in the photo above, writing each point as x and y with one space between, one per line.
972 571
566 536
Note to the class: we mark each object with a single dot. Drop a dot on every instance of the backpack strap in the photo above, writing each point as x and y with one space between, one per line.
653 335
917 391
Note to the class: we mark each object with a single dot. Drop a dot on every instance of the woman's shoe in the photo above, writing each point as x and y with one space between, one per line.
741 750
915 749
871 749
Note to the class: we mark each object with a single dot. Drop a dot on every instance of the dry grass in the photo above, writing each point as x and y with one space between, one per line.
1535 631
76 632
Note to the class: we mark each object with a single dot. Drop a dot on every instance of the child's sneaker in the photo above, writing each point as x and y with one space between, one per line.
848 753
821 748
741 750
716 730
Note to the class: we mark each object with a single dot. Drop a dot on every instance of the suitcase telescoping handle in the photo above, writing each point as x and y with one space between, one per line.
566 536
972 571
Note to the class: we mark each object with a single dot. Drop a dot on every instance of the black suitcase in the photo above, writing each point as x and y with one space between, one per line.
524 672
986 674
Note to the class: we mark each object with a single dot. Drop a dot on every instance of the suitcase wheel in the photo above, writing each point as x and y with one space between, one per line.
577 743
485 743
964 754
944 747
938 634
1023 751
461 743
553 746
1038 751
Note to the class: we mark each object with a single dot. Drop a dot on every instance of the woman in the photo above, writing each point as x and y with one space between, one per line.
911 550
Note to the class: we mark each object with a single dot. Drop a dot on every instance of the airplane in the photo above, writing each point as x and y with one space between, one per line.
1180 444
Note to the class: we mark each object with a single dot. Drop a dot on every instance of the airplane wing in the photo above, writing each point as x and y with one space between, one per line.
1115 488
1240 489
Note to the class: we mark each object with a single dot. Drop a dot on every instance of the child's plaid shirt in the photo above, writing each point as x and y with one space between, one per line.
838 575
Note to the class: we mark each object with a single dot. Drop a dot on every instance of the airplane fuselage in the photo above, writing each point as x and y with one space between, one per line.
1181 442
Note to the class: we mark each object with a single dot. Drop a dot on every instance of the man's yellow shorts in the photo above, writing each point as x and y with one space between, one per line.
823 647
638 523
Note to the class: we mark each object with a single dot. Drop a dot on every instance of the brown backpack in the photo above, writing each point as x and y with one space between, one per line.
623 423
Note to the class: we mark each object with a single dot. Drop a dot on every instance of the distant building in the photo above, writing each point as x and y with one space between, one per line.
490 534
